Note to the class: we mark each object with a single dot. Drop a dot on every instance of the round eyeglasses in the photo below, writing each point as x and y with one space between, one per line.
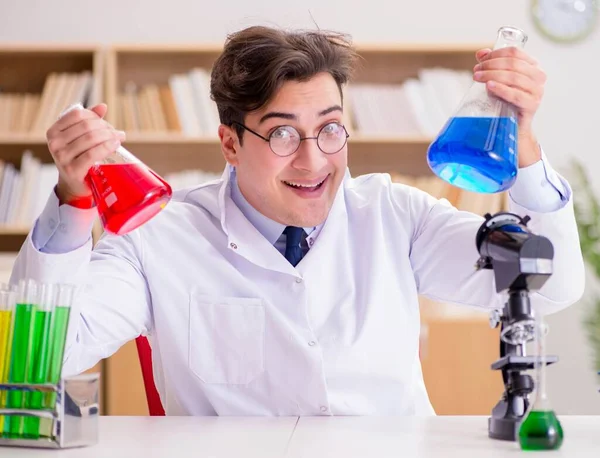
285 140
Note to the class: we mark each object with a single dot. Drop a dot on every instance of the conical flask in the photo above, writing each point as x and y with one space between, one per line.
540 429
476 150
126 191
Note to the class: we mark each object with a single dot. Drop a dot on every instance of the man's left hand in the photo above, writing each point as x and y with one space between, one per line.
512 75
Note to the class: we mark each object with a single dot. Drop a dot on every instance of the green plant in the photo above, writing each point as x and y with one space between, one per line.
587 214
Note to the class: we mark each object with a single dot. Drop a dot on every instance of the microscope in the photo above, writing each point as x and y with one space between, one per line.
521 262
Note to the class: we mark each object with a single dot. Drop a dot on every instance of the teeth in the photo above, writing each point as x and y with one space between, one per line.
296 185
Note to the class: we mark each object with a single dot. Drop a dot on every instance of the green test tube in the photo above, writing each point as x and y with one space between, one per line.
22 343
58 337
7 305
39 355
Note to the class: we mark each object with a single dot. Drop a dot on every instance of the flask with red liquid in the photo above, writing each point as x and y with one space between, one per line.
126 191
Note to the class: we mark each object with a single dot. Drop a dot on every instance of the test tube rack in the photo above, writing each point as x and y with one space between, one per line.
74 417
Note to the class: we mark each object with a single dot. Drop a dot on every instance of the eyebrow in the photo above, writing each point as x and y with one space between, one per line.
279 114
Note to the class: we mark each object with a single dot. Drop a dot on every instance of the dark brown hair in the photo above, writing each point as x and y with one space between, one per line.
257 60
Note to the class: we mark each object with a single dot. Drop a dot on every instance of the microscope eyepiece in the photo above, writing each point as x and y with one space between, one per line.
520 259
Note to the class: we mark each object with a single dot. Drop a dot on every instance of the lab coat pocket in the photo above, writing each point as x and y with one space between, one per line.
226 338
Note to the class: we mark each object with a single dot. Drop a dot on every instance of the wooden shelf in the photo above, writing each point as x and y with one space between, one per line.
153 138
48 48
22 139
421 48
142 137
364 140
24 68
12 238
363 47
168 153
380 63
172 138
14 230
169 48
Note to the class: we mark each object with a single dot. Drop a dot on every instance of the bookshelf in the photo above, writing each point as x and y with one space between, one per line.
126 69
134 71
35 81
138 66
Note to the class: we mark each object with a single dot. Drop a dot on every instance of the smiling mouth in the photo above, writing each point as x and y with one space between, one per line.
305 187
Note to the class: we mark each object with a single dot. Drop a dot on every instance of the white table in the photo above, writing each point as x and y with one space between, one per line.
178 437
312 437
439 437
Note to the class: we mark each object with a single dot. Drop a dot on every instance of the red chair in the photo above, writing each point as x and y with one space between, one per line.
155 407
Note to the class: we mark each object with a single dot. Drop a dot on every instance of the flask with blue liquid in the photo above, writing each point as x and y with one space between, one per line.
476 150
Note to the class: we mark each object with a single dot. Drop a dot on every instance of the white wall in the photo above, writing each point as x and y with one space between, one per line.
565 124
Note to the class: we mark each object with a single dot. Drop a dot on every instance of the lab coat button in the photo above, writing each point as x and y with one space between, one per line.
312 343
233 245
298 280
324 409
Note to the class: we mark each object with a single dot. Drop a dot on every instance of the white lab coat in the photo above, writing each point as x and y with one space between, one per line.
236 330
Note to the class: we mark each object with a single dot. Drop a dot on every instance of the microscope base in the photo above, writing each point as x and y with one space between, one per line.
503 428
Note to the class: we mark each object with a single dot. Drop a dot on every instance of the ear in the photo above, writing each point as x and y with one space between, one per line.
229 143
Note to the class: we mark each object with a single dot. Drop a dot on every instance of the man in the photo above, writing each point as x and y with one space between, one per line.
287 287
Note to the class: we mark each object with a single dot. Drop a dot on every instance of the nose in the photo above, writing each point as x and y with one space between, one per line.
309 157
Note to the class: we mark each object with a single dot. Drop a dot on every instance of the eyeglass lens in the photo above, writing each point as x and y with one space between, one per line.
285 139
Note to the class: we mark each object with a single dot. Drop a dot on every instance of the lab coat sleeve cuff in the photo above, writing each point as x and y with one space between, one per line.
62 228
540 188
567 281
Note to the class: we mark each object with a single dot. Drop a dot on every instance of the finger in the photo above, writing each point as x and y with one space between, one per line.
480 55
69 119
59 140
508 78
59 145
516 65
89 125
505 63
520 99
86 142
512 52
100 109
94 155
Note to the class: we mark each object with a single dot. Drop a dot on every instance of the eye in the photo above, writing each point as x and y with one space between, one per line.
332 129
283 133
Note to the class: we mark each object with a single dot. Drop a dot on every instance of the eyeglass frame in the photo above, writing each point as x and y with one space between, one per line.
268 140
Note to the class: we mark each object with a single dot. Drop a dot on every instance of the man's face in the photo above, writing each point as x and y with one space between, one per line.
296 190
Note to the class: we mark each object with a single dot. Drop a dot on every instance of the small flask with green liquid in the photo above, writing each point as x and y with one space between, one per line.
541 429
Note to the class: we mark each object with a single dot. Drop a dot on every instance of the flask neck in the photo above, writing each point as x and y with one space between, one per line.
510 36
541 402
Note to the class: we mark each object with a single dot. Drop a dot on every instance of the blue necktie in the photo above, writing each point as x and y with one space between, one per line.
293 252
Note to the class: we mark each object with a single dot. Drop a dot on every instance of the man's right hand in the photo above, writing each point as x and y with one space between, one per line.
77 141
